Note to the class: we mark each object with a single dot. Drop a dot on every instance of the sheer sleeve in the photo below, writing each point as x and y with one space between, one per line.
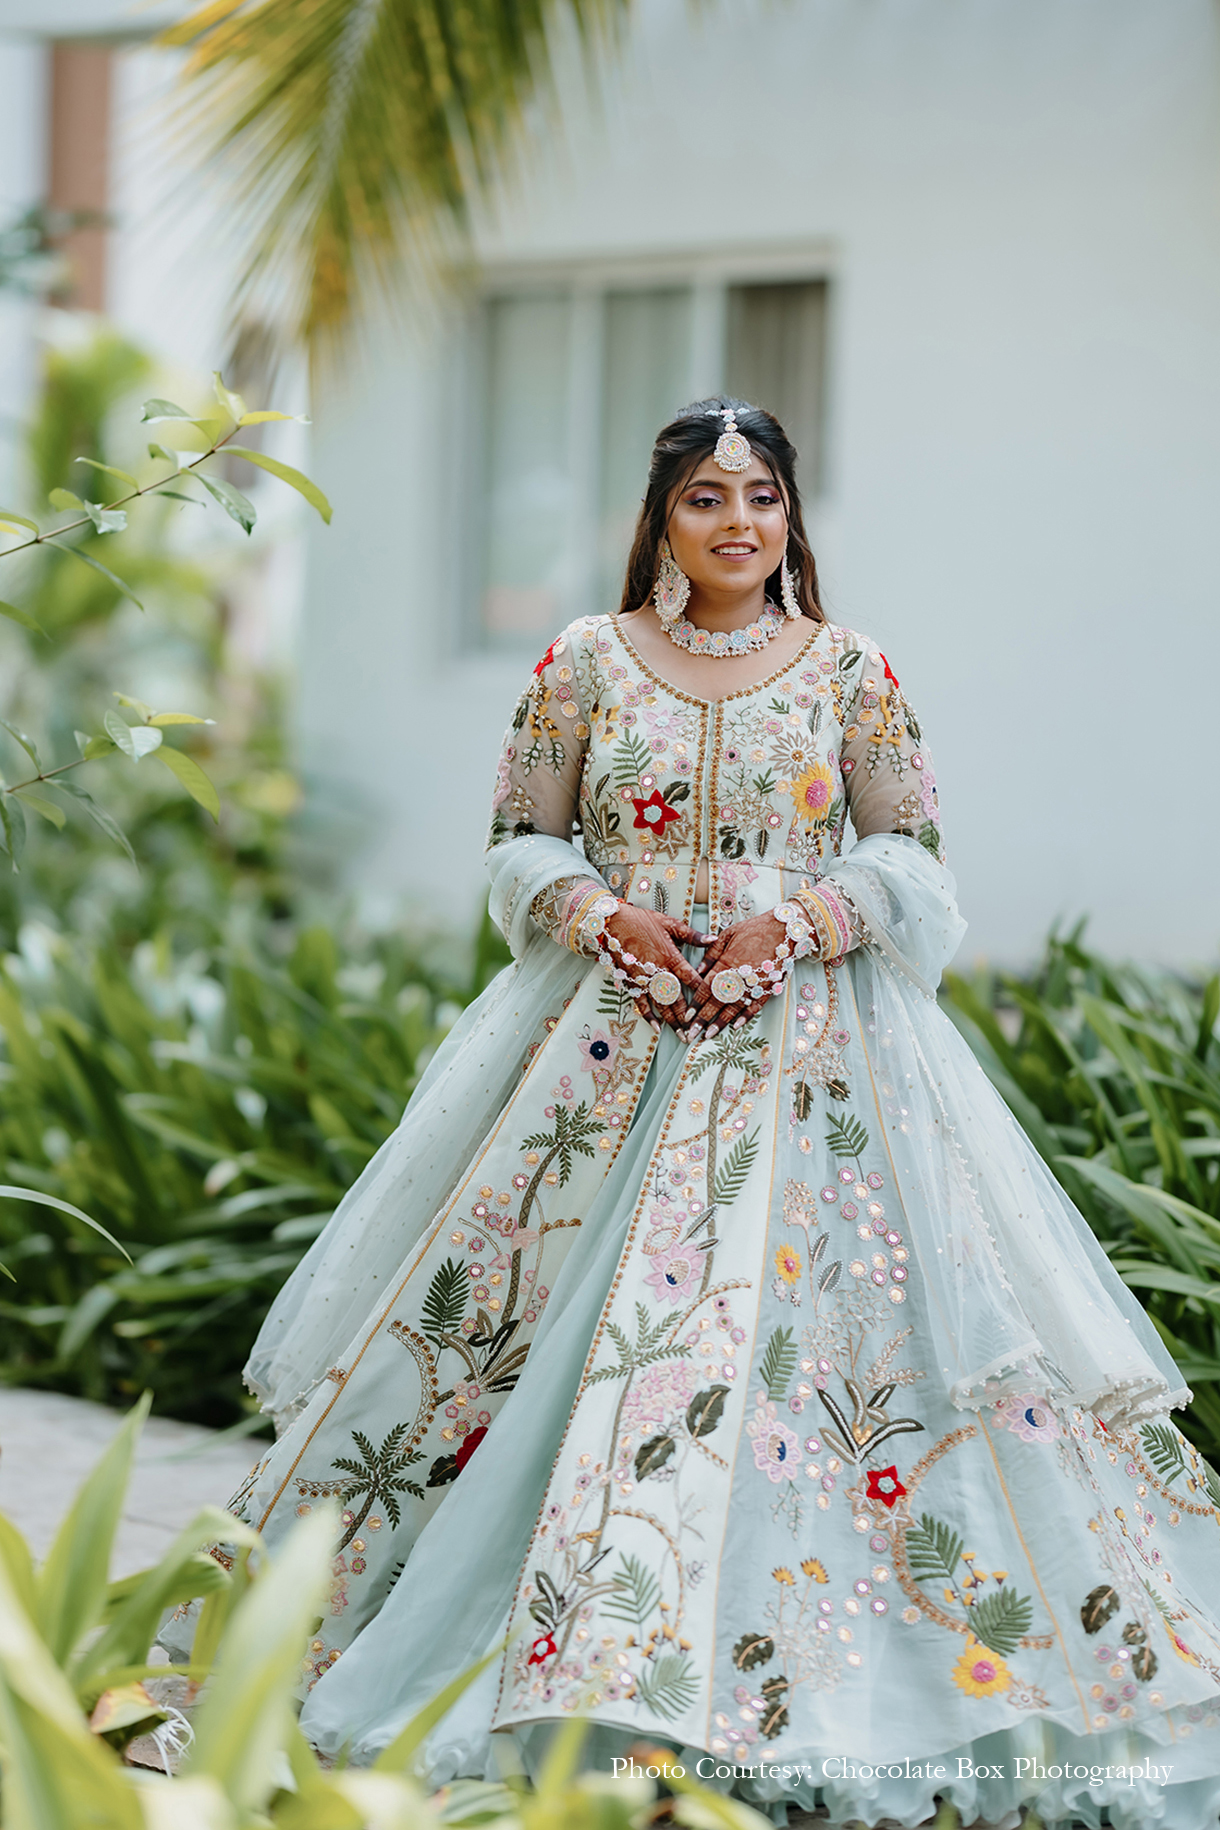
891 892
539 875
887 773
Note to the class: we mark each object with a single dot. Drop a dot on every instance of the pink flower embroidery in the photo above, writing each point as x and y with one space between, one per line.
663 1391
675 1273
1029 1417
597 1051
776 1447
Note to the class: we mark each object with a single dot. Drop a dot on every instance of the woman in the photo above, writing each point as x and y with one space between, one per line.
709 1327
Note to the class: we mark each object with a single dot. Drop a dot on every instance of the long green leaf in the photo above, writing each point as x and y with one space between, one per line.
245 1715
36 1195
96 565
285 472
192 778
71 1587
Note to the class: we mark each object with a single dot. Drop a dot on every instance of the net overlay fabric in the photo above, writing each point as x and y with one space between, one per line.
768 1394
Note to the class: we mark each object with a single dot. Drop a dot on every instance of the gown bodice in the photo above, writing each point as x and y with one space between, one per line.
756 784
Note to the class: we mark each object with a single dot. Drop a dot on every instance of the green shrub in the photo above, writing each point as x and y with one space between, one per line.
208 1111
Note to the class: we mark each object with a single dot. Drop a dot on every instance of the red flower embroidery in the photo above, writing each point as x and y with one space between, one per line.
653 815
884 1485
543 1649
890 675
549 656
468 1445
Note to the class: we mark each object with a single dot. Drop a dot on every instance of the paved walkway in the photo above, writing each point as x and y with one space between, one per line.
48 1443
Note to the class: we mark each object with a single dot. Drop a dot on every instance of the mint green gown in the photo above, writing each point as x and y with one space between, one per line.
768 1394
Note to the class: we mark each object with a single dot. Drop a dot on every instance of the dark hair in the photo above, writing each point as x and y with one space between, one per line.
681 446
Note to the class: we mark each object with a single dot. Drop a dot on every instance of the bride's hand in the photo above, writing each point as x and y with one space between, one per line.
753 942
654 940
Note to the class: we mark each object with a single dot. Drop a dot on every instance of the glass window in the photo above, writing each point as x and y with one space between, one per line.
646 360
528 498
775 357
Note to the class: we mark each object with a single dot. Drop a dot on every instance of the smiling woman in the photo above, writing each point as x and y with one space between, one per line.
705 1255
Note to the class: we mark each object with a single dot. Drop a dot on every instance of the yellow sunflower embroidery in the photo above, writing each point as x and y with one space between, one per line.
813 1566
788 1264
814 792
784 1576
980 1672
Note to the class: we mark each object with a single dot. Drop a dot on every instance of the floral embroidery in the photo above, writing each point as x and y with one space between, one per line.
653 814
980 1672
1028 1417
884 1485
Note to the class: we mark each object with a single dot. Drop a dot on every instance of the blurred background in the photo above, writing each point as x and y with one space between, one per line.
966 249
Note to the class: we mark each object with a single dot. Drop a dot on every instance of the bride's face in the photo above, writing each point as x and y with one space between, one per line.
728 529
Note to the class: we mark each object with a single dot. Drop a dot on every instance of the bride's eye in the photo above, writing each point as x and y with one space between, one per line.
765 501
702 501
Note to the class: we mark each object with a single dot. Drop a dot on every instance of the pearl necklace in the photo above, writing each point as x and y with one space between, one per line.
723 642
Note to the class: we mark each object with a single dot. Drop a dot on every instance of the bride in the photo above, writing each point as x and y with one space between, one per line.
709 1327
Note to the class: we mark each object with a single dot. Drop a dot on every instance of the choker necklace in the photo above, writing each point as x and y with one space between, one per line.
688 635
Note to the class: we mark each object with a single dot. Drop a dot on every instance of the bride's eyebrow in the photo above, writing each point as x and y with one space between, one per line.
718 483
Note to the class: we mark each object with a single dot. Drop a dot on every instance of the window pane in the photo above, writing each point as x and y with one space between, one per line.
775 358
644 382
528 478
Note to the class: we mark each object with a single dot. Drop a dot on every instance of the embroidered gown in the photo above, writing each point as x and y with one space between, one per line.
769 1393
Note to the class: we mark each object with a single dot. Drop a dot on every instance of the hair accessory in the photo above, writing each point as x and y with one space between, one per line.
787 590
671 593
726 641
732 447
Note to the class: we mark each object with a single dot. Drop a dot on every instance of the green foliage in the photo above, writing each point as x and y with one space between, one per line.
1114 1072
847 1137
208 1112
732 1173
636 1593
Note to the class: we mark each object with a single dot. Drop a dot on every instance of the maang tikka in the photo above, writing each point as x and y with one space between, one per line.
732 447
671 593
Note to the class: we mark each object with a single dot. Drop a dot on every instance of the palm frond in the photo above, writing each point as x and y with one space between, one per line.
355 133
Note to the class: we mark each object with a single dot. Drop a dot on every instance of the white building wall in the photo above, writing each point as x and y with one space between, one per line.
1024 447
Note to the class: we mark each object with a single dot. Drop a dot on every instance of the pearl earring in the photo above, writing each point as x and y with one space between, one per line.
787 591
671 592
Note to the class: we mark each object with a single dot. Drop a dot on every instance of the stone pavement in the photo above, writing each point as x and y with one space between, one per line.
48 1444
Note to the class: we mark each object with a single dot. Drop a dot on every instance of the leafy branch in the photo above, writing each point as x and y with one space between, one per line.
144 737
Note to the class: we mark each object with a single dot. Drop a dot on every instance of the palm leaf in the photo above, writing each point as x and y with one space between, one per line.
636 1593
352 132
779 1363
668 1688
846 1137
933 1548
731 1176
443 1307
1000 1619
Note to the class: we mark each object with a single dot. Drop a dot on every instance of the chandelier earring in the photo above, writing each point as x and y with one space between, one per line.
787 591
671 593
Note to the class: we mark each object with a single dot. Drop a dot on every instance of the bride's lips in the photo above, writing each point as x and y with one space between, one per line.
734 550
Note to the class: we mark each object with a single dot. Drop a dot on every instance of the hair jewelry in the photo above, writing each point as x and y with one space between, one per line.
671 592
732 447
787 590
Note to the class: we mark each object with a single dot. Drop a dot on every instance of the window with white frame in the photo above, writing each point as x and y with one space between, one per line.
573 377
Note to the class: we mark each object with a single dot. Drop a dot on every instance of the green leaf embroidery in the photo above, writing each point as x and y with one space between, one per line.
705 1410
753 1649
1000 1619
933 1548
652 1455
732 1173
1099 1605
636 1593
631 760
445 1304
1164 1451
779 1363
846 1137
668 1688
